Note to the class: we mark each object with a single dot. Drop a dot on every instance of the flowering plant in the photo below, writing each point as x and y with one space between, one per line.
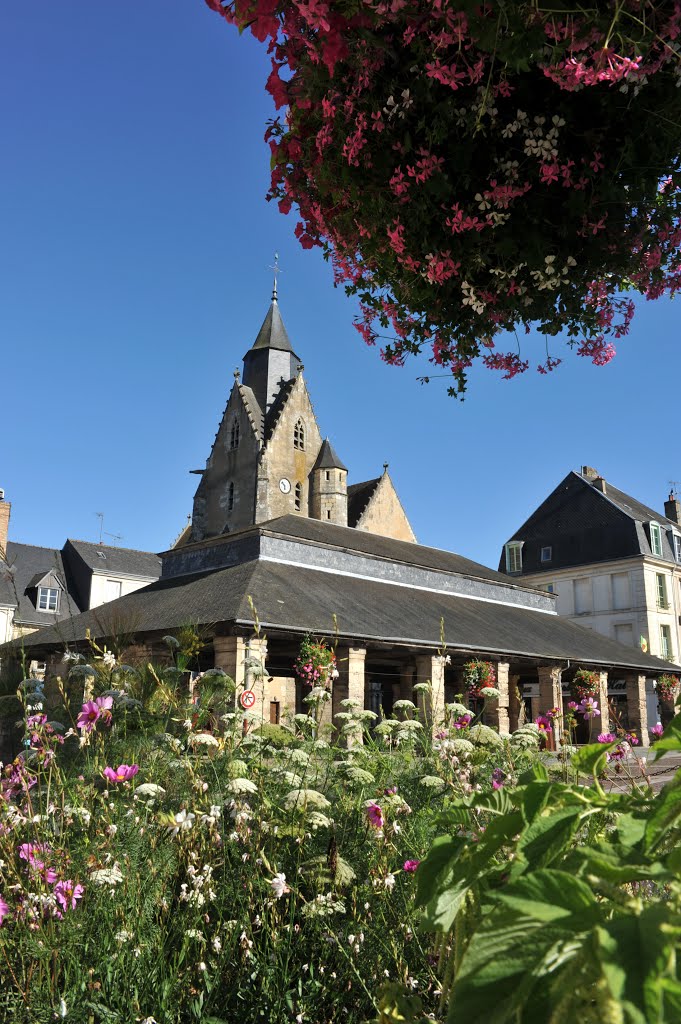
584 684
473 169
316 663
477 675
667 688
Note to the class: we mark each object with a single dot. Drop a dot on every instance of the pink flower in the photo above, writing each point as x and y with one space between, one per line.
657 731
606 737
4 909
67 893
589 708
411 865
105 705
573 705
123 773
89 714
463 722
375 815
29 851
543 723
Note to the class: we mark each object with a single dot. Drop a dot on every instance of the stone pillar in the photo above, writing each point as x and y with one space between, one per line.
244 660
551 693
56 668
637 706
498 709
350 684
515 704
603 702
430 668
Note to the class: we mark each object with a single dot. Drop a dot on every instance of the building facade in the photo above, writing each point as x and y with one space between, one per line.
613 564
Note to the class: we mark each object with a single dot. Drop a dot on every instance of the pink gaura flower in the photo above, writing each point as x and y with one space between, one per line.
123 773
411 865
67 894
4 909
375 815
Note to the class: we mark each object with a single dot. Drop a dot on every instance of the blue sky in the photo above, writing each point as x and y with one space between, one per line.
134 251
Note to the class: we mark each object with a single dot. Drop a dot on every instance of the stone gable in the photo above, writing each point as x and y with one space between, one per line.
384 513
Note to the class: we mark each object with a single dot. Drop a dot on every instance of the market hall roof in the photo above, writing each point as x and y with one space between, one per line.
308 576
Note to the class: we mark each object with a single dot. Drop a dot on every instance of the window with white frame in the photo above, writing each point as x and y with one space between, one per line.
48 599
661 590
547 553
514 556
656 539
665 642
677 547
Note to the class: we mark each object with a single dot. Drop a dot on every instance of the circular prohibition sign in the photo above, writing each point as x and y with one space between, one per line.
247 699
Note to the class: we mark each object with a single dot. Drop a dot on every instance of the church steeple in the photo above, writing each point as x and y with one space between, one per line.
271 360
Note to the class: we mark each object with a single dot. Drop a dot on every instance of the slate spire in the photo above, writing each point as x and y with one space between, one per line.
271 360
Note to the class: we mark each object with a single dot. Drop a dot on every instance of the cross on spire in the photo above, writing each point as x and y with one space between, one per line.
275 270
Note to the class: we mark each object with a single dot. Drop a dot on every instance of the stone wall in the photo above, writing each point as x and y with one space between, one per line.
384 513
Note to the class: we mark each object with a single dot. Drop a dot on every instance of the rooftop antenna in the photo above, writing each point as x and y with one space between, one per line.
275 270
100 516
114 537
674 487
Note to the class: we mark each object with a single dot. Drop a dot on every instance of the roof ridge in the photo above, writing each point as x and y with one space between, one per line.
111 547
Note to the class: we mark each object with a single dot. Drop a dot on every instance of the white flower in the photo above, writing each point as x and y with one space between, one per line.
240 786
432 782
490 692
107 876
301 799
184 820
205 739
123 936
279 886
389 881
62 1008
109 659
150 789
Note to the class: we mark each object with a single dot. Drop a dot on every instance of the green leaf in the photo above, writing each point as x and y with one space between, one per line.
547 895
549 836
615 864
630 829
665 813
591 759
635 952
442 854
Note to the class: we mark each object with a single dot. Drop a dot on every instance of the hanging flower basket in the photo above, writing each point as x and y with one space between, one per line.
585 684
476 676
667 690
316 663
476 169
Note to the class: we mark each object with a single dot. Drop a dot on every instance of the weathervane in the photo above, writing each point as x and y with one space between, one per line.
275 270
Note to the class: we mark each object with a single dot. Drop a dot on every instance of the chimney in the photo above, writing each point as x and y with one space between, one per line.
589 472
5 509
599 484
672 509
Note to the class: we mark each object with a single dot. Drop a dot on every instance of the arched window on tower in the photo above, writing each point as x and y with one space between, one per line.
234 434
299 436
298 497
230 497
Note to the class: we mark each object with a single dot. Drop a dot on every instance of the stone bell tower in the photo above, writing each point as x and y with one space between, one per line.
329 487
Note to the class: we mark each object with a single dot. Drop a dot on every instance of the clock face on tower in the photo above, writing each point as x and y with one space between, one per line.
284 485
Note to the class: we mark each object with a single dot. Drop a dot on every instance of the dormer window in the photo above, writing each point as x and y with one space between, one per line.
677 547
656 539
299 436
48 599
298 497
546 554
514 556
234 434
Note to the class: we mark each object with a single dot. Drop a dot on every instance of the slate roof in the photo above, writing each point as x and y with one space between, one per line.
273 334
126 561
582 526
276 409
359 496
252 407
299 600
347 538
29 563
327 458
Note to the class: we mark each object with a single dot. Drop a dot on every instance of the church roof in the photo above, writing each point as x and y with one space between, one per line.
327 458
359 496
273 334
276 409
